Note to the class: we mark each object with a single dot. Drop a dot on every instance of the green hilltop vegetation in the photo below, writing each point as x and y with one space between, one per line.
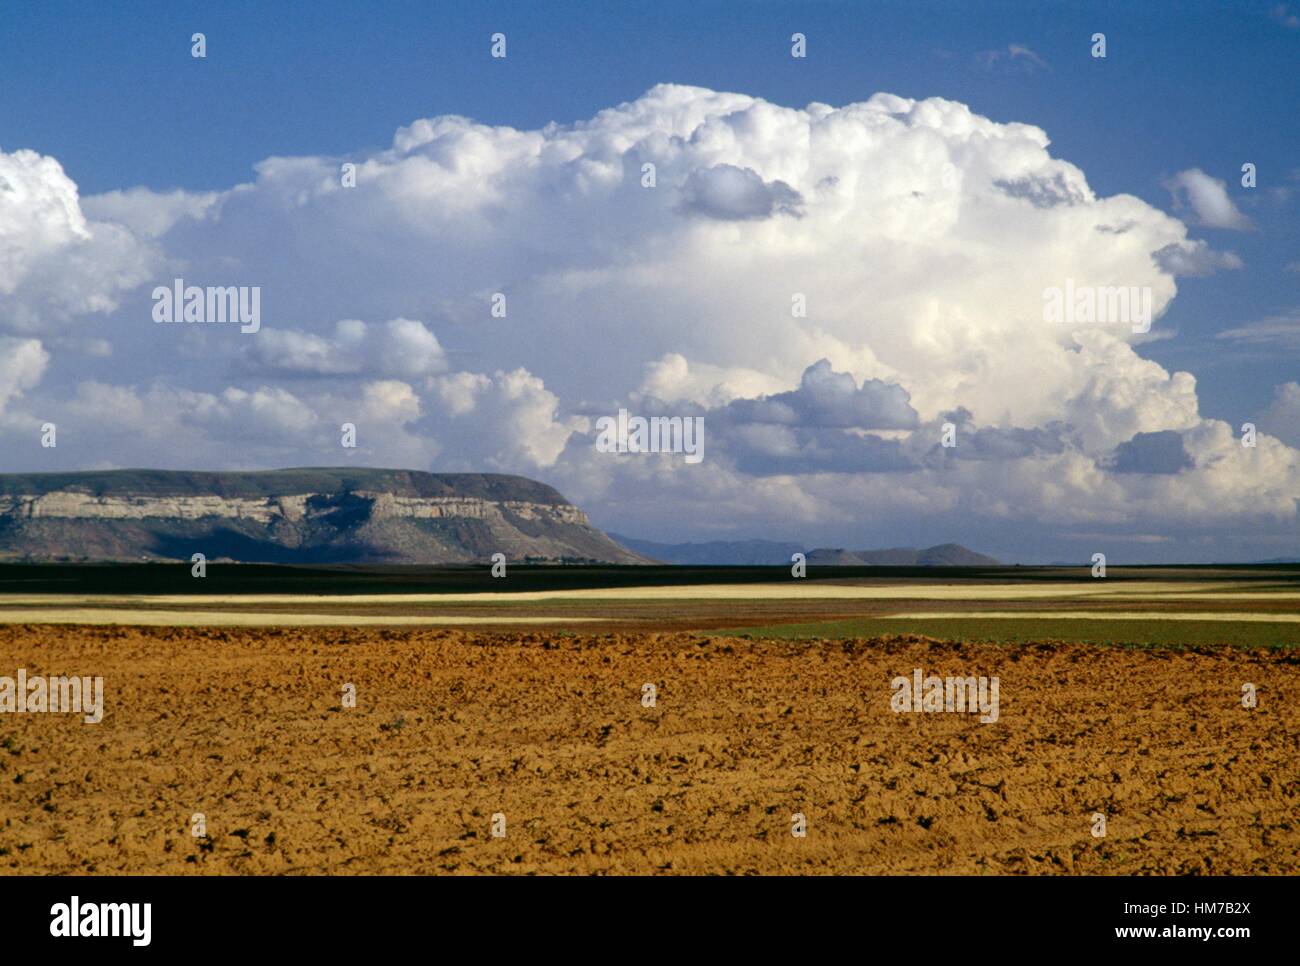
268 483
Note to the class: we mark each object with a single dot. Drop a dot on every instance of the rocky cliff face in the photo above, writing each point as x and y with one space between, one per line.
302 516
293 507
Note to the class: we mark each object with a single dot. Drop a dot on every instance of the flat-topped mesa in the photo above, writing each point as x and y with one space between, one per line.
297 515
69 504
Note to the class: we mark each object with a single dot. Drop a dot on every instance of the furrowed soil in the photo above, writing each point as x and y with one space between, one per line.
247 727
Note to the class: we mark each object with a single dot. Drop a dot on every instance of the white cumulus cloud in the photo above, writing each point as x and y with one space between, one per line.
1208 199
826 285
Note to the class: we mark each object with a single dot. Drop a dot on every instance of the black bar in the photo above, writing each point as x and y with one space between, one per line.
943 916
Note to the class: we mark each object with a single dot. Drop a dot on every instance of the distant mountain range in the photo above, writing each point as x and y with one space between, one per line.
772 553
317 515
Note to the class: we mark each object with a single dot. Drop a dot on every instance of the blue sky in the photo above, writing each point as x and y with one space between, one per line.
112 93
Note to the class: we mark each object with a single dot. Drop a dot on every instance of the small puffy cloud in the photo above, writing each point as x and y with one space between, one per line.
458 392
389 402
405 347
729 193
291 351
270 409
22 364
1208 199
400 347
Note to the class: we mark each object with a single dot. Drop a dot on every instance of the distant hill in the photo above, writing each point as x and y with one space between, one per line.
313 515
943 555
773 553
739 553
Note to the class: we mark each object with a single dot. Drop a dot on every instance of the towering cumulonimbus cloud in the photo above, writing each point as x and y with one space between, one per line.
828 287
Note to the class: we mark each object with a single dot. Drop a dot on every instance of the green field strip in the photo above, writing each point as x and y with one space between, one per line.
1140 633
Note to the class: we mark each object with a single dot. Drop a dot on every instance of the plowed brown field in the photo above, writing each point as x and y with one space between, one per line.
247 727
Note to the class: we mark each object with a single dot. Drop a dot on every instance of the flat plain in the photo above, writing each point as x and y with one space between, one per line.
772 699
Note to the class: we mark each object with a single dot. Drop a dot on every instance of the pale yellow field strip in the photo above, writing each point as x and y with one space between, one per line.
163 618
789 590
1246 595
1106 615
